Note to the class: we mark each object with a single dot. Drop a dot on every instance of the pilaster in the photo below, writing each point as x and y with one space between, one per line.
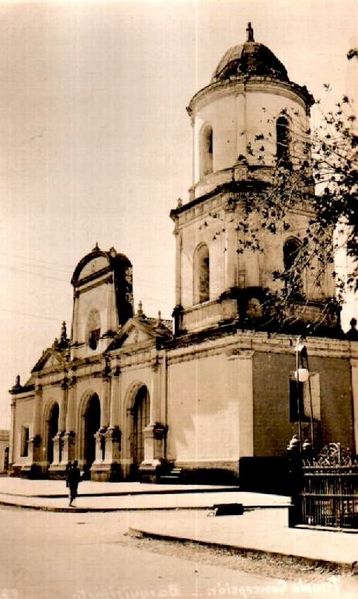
69 437
71 405
115 394
106 466
230 256
155 433
241 380
241 126
178 265
105 408
37 410
154 412
63 406
154 444
68 447
354 371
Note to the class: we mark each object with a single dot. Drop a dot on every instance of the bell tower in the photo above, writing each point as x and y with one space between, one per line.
250 118
103 300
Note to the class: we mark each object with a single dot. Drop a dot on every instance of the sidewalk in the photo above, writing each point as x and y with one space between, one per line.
93 496
189 517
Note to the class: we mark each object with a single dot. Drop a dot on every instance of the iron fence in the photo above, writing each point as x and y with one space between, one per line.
327 492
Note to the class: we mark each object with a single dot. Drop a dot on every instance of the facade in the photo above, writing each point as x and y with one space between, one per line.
130 396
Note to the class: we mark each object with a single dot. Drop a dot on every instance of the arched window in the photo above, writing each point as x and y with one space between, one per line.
293 276
282 140
93 328
201 274
206 151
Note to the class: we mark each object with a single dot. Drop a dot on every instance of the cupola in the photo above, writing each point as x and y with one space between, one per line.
249 97
250 59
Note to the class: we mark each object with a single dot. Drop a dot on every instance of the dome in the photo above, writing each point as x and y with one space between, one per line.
249 59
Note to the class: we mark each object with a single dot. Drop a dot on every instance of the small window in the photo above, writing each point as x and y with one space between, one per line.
282 140
201 274
25 437
206 151
94 338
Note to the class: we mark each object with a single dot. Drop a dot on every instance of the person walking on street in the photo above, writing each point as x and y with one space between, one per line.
73 477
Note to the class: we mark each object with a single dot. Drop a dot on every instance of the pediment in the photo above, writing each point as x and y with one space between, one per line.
139 332
50 359
136 336
135 333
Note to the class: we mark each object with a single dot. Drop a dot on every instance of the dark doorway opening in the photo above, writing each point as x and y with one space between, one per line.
52 430
92 422
141 418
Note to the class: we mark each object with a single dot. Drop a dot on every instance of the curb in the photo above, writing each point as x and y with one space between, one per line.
50 508
74 509
130 493
328 566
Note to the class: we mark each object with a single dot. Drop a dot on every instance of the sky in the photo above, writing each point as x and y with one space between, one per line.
95 141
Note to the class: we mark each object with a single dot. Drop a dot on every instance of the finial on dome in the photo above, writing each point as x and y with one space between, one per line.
250 33
96 248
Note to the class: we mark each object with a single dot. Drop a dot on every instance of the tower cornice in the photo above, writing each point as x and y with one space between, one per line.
244 84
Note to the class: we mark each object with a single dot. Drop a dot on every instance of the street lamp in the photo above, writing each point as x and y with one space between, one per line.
302 375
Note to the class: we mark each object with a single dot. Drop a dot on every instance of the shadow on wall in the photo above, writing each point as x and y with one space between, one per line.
265 475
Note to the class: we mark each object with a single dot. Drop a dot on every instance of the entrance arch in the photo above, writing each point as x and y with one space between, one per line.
141 419
92 422
52 430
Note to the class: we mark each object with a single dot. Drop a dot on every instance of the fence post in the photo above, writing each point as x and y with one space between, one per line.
295 480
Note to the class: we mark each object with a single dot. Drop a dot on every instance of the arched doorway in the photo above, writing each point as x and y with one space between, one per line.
52 430
92 422
141 419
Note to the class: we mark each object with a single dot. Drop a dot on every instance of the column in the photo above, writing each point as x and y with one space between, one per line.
154 391
105 407
68 450
57 450
63 407
111 311
75 322
37 410
58 440
154 433
35 439
178 265
108 442
114 397
100 447
230 249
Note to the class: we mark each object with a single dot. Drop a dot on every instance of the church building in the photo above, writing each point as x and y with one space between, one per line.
130 396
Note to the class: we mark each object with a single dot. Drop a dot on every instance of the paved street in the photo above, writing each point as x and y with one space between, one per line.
88 556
